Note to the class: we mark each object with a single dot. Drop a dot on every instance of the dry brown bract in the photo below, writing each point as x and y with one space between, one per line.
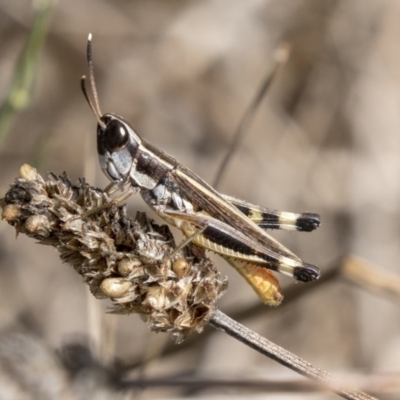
130 261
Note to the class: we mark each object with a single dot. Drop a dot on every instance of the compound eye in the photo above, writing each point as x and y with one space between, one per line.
116 135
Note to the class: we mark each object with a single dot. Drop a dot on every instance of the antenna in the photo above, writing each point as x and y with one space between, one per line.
96 110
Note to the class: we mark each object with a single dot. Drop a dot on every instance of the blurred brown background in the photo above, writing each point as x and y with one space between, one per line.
325 139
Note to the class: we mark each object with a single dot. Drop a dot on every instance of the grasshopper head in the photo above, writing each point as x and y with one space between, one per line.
117 145
122 156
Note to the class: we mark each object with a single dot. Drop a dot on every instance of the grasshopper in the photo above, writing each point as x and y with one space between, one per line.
232 228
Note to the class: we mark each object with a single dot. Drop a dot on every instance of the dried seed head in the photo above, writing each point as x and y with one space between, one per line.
123 259
181 267
11 213
38 224
127 265
155 298
29 173
115 287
